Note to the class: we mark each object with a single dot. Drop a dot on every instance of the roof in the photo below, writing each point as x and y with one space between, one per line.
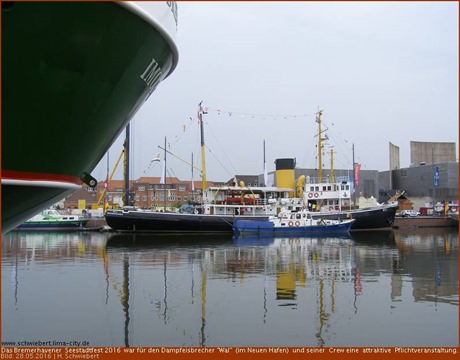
81 194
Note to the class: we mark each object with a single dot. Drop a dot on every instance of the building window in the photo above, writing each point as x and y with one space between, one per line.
141 188
144 197
181 188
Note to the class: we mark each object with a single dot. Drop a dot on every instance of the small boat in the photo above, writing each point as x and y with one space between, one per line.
52 220
292 223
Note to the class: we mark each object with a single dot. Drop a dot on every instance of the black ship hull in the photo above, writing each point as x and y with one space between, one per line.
381 217
374 218
145 221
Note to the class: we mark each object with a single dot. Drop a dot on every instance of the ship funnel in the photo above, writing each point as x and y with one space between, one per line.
284 175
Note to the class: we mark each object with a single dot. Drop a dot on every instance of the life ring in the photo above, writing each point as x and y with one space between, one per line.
316 195
290 223
297 223
310 195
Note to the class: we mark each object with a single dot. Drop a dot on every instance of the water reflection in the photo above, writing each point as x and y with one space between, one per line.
163 251
430 258
233 291
290 264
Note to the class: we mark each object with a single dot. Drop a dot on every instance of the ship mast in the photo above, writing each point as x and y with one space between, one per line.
127 200
331 175
203 159
320 146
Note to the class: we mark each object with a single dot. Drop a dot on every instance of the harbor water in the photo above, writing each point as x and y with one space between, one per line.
391 288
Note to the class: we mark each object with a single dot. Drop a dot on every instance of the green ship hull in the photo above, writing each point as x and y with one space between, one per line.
73 75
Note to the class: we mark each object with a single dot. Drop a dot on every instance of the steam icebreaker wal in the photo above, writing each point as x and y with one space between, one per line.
73 75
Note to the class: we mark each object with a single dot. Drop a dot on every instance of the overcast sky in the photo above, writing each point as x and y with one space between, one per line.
381 71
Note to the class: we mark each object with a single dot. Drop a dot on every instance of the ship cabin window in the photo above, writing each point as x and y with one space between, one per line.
329 188
316 188
298 216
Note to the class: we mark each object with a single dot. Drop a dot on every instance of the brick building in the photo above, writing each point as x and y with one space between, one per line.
149 193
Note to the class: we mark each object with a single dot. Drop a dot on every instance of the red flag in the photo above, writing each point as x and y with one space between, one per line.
357 169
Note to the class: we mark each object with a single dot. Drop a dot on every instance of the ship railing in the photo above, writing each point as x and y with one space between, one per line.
327 180
240 202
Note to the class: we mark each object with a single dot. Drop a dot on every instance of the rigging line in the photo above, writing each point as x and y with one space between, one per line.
176 139
184 130
225 220
172 171
220 163
336 136
150 166
168 172
223 150
230 113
